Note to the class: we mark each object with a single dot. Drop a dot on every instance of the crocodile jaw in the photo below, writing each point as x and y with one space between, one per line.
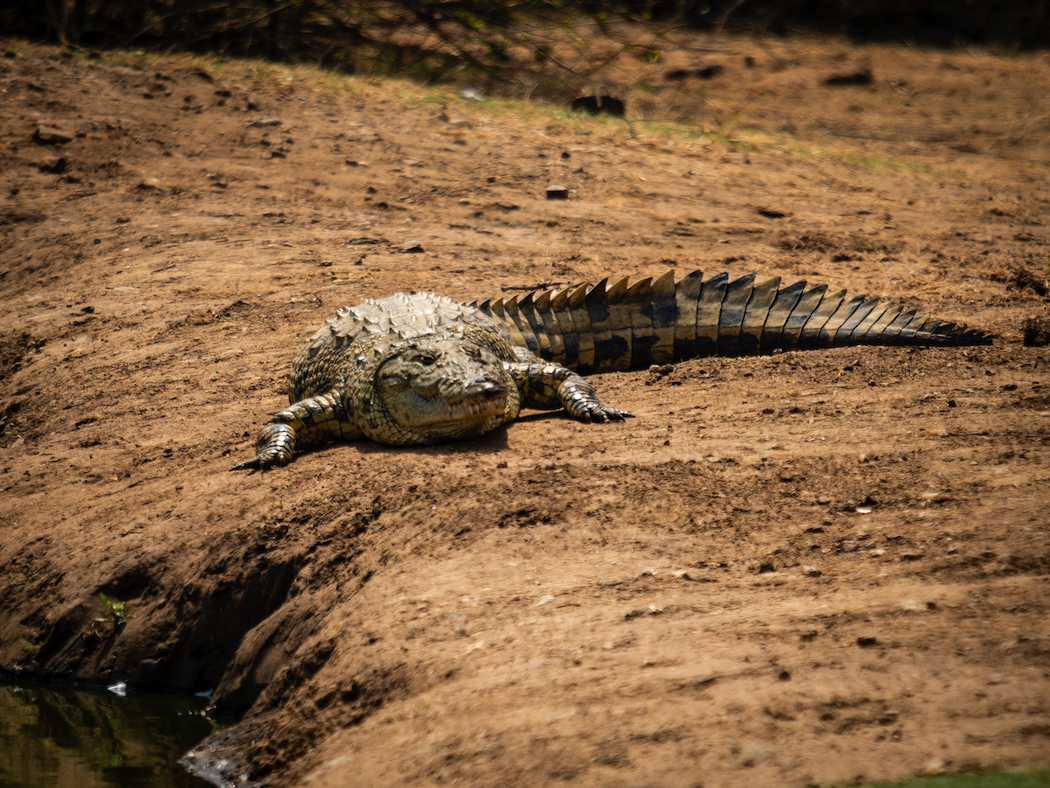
460 415
438 389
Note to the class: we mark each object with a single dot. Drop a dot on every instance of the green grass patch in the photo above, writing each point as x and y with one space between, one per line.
1039 778
646 87
880 164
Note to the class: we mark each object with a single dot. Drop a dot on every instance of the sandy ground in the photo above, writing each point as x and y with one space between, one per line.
787 570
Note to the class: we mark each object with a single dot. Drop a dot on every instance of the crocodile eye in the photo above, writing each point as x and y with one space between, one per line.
426 359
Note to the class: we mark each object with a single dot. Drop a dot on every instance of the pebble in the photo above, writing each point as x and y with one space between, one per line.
935 766
150 184
54 164
750 754
48 135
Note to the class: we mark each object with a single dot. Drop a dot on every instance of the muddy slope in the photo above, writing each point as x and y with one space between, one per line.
789 569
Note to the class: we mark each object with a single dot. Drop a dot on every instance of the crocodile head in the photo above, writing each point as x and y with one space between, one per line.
433 388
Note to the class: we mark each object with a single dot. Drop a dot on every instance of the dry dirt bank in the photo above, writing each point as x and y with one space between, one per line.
792 569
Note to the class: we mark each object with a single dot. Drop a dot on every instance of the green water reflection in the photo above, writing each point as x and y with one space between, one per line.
54 737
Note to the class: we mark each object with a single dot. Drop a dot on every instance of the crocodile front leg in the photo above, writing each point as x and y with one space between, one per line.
552 386
309 422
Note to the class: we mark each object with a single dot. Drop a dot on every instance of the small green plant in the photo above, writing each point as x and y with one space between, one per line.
116 610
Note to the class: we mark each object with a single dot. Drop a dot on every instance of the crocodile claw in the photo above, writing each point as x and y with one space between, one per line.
599 414
275 446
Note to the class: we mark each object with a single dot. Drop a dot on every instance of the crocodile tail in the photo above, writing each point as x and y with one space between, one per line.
603 327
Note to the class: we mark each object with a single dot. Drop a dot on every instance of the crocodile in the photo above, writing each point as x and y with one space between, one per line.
422 369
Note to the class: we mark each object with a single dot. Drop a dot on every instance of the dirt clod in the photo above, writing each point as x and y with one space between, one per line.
1020 278
48 135
53 164
1036 331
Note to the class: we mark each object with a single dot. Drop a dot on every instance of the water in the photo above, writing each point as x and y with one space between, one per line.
64 737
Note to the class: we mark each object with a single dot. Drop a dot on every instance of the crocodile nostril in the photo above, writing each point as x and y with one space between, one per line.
485 387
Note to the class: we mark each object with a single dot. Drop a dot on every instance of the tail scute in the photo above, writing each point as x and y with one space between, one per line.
641 336
781 309
763 296
809 337
845 331
829 331
731 315
686 298
708 315
663 309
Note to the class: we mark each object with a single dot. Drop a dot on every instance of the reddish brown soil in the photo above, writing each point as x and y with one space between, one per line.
790 569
